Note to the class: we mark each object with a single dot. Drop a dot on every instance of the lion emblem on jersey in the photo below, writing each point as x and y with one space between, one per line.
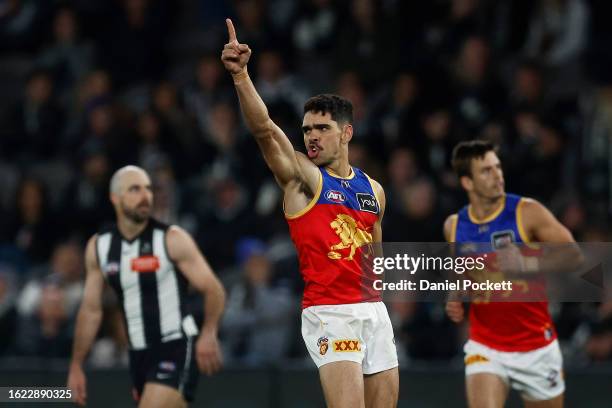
350 234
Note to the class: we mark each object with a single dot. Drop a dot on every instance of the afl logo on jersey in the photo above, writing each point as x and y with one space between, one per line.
335 196
111 268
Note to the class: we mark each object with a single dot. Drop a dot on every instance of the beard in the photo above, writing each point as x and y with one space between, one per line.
138 214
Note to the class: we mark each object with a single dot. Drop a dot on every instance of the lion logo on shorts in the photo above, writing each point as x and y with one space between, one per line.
323 345
351 236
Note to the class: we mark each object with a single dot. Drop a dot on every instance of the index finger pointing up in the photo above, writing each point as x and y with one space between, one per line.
230 30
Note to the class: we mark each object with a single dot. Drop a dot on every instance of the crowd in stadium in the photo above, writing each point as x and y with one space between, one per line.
91 85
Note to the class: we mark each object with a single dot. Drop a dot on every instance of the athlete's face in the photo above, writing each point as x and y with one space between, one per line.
487 179
135 200
324 138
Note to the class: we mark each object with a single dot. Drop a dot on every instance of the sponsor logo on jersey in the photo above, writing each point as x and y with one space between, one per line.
367 202
347 346
335 196
147 263
345 183
323 345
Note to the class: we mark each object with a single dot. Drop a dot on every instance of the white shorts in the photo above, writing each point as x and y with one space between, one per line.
359 332
537 375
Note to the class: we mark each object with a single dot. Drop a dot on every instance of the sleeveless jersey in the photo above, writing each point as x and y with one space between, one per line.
150 288
505 326
329 235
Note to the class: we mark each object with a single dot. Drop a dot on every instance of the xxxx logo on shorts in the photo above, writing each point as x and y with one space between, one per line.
347 346
323 345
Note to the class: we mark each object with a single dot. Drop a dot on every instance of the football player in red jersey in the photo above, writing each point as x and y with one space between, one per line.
511 344
333 210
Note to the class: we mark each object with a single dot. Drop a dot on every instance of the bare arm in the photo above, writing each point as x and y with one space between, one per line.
450 226
540 225
188 258
454 309
382 202
290 168
185 253
90 312
87 324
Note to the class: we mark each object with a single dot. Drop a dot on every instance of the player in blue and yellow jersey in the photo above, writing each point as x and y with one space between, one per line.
511 344
333 211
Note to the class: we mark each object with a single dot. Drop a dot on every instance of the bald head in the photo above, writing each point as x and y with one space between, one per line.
117 182
131 194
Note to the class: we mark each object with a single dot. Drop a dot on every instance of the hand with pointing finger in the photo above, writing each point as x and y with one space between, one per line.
235 56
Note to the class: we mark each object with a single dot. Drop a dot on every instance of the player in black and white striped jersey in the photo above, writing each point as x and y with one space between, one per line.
149 266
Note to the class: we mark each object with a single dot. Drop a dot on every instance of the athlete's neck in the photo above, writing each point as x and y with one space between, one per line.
129 229
482 208
340 168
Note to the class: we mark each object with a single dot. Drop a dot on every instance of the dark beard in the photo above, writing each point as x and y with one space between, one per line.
132 215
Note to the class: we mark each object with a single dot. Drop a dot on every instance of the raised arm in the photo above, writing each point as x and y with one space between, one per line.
192 264
87 324
290 168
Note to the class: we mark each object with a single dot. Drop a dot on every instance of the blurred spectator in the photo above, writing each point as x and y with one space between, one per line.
36 121
275 85
182 141
365 44
350 86
527 87
478 94
557 32
8 312
402 170
253 26
22 24
223 217
536 158
133 42
420 325
102 132
65 271
95 86
154 145
30 226
257 323
209 88
69 58
420 219
85 205
397 113
436 144
599 344
165 190
48 332
314 27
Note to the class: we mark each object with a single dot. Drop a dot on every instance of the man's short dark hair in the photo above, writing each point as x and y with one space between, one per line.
465 152
340 109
